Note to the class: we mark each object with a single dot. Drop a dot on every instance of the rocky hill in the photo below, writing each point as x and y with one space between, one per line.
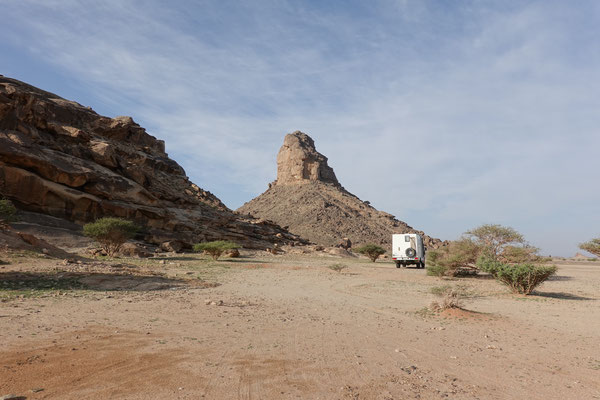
307 199
60 159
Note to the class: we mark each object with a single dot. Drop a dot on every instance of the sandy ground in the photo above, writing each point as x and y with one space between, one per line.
288 327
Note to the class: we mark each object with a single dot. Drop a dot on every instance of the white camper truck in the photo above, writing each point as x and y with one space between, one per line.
407 248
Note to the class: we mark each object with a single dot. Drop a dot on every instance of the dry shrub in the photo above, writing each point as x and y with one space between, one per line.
450 297
337 267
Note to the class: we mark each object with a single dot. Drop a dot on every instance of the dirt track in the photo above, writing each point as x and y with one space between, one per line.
290 328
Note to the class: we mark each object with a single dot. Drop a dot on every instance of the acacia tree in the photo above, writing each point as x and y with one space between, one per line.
494 239
110 233
216 248
371 250
593 246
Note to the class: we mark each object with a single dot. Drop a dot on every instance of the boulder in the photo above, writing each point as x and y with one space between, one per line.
233 253
345 243
131 249
173 246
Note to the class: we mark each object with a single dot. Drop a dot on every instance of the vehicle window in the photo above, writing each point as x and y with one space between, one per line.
407 238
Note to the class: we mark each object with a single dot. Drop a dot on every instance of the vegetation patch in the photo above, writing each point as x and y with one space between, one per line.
371 250
216 248
520 278
110 233
25 284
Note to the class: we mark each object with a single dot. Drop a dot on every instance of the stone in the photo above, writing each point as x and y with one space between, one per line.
171 246
131 249
345 243
233 253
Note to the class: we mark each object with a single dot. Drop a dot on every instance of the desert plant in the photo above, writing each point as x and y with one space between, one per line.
371 250
455 259
520 278
7 212
110 233
450 297
216 248
494 238
337 267
593 246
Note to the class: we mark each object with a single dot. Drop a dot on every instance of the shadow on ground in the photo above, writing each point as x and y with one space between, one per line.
240 259
560 295
86 281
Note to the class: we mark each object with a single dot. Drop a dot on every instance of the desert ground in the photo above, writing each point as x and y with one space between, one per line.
183 326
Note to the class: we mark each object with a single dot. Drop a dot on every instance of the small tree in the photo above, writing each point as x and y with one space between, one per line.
593 246
520 278
110 233
216 248
494 238
7 213
371 250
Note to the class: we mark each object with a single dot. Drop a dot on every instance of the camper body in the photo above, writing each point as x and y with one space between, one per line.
408 249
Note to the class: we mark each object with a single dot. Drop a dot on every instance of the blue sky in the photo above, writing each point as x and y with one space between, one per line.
446 114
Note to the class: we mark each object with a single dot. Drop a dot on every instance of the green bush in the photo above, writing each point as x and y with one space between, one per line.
433 269
7 211
520 278
110 233
371 250
216 248
455 259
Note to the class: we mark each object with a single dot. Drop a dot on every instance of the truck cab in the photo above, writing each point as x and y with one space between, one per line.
408 249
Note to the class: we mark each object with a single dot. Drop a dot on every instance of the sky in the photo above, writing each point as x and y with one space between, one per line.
446 114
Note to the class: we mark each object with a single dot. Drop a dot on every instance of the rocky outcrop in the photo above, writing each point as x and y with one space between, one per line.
307 199
62 159
299 161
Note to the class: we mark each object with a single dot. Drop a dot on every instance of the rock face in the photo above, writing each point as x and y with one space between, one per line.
299 162
307 199
61 159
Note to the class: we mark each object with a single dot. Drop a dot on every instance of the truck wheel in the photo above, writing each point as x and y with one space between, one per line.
423 265
410 252
398 265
